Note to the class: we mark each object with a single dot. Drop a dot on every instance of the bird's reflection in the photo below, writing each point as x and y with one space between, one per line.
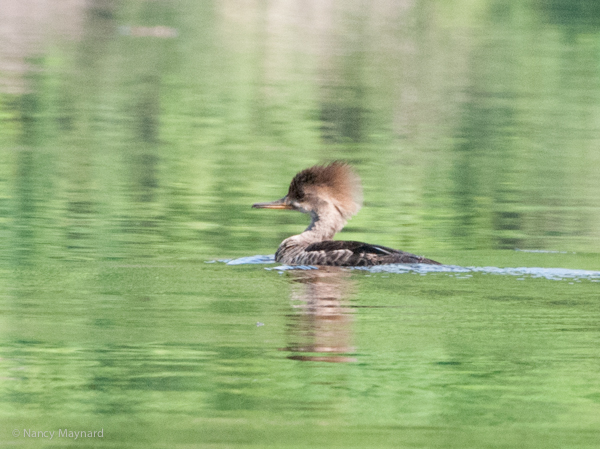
320 324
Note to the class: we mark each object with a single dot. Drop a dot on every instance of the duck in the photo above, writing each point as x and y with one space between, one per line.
330 194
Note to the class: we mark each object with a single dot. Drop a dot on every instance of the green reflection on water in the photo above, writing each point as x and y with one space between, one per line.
135 136
476 135
189 352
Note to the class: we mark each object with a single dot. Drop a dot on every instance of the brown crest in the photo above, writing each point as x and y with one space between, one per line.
335 180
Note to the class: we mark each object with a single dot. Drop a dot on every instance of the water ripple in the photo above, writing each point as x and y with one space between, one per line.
250 260
555 274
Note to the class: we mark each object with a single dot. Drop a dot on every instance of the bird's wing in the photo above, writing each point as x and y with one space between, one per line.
349 253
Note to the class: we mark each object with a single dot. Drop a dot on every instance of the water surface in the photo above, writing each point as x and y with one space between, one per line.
135 136
218 354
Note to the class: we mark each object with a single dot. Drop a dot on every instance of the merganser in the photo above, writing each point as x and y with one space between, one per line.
330 194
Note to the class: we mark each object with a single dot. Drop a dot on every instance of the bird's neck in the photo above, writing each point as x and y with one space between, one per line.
323 226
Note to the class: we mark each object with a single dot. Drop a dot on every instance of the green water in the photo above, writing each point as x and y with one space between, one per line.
135 136
209 354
